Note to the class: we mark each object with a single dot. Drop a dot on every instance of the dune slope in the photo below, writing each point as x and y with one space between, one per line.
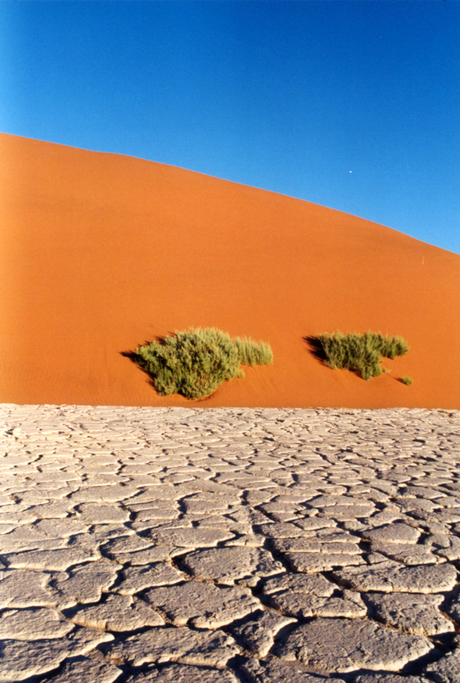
103 252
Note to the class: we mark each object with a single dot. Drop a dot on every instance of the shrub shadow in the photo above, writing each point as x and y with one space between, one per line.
134 358
316 349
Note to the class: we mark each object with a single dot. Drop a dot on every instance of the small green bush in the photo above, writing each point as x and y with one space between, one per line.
195 362
358 353
406 380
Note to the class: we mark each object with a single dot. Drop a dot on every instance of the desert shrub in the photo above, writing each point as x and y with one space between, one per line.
359 353
393 346
253 354
406 380
195 362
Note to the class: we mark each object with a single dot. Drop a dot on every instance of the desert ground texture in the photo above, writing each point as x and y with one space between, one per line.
102 252
230 545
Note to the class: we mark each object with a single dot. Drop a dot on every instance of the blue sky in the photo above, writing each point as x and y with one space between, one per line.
352 104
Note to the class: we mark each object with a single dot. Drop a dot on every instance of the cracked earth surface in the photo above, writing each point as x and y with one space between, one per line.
229 545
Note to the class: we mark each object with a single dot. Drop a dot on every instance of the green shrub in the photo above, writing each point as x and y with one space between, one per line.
195 362
393 346
358 353
406 380
253 354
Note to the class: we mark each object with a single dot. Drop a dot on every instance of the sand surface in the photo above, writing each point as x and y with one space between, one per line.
102 252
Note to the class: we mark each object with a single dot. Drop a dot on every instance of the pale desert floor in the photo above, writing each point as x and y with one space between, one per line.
230 545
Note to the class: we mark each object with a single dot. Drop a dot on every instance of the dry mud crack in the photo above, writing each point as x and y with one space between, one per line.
226 545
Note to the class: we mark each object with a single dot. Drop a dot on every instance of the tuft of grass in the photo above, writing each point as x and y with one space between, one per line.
358 353
406 380
253 354
195 362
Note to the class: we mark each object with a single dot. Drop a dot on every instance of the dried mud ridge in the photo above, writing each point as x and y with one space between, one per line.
229 545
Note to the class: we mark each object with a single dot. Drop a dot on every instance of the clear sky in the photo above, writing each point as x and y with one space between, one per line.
352 104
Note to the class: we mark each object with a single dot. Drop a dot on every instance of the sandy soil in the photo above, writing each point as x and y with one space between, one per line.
103 252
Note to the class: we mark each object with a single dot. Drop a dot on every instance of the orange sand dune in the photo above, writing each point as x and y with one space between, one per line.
102 252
